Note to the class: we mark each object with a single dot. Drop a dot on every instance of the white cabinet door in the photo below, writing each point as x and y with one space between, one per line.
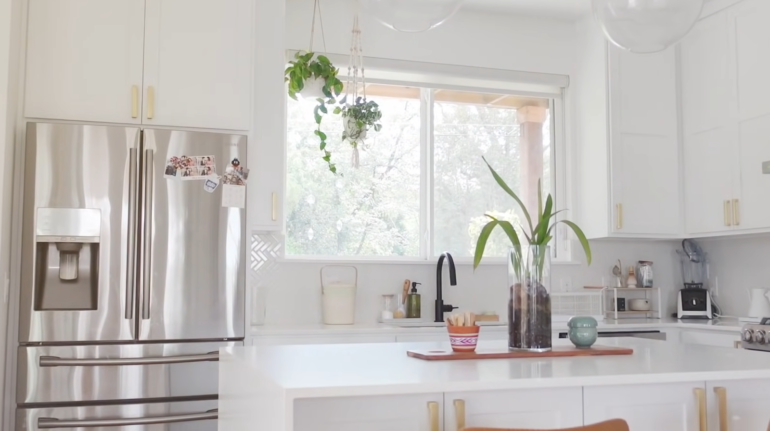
377 413
525 409
710 134
670 407
198 62
644 143
84 60
742 404
709 166
750 33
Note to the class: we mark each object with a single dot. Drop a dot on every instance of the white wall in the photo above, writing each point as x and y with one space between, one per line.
468 39
527 44
293 291
737 264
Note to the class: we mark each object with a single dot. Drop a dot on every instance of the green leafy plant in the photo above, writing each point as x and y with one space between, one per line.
360 117
539 233
307 66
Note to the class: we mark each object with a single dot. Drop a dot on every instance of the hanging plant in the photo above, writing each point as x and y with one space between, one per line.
359 118
362 115
314 76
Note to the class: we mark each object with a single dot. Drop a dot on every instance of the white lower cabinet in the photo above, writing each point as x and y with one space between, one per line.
422 412
528 408
738 405
669 407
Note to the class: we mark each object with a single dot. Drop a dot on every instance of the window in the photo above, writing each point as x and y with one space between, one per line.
422 187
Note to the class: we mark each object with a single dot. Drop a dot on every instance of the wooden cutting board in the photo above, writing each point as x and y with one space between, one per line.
557 352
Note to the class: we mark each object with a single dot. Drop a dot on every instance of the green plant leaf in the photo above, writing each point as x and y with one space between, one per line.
323 109
510 192
581 237
317 115
539 200
541 230
481 242
337 110
324 60
377 127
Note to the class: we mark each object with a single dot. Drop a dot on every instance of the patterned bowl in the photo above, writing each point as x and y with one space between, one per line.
463 338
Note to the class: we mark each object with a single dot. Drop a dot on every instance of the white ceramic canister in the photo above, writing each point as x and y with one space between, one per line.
338 294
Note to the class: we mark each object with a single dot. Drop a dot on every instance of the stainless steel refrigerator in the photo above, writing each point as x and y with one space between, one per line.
133 275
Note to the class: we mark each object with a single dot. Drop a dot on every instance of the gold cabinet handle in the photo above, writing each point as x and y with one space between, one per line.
736 212
619 216
728 214
722 398
433 415
737 344
459 414
275 207
134 101
700 395
150 102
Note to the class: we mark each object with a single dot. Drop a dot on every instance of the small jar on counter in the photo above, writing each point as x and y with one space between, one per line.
644 273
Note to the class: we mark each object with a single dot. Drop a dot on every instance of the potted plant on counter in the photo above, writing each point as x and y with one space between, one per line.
529 306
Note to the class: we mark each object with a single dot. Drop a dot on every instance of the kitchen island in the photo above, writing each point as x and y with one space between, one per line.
376 387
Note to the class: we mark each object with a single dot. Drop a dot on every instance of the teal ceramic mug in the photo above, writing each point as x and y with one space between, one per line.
582 331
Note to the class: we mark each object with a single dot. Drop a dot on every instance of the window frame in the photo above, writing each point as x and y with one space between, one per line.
561 250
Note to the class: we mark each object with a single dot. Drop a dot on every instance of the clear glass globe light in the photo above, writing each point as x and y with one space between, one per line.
411 16
646 26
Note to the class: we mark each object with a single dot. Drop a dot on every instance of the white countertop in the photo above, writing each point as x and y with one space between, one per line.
727 325
311 371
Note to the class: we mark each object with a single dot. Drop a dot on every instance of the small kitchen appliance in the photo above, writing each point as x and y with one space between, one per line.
756 336
694 301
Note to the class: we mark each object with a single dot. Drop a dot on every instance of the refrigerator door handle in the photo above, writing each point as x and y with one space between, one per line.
51 423
133 198
57 361
149 185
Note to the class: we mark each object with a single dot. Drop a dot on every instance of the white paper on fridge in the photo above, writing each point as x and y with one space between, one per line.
233 196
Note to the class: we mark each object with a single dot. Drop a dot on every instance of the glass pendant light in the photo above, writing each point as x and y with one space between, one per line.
411 16
645 26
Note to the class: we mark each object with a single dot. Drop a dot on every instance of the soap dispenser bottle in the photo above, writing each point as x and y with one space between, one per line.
413 302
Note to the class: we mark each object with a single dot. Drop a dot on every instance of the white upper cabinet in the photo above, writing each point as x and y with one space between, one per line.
751 32
724 68
198 63
709 139
644 144
176 63
627 139
84 60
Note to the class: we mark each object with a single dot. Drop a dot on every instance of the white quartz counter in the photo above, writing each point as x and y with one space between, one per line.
313 371
725 325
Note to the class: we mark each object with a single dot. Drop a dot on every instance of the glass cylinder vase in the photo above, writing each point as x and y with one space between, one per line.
529 307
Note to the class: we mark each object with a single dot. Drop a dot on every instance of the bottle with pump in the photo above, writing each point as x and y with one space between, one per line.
413 302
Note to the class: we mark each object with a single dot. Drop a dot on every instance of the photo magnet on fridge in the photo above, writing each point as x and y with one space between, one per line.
211 184
233 196
190 167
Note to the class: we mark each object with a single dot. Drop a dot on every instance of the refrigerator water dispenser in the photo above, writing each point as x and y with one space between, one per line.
67 258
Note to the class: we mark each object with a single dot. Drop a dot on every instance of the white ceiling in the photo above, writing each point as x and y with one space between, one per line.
561 9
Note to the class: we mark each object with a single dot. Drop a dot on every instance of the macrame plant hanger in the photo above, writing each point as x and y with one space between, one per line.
355 66
317 9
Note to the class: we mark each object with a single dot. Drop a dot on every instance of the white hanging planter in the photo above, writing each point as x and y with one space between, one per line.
352 132
313 89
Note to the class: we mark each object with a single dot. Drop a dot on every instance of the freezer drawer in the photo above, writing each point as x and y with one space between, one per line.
72 374
177 416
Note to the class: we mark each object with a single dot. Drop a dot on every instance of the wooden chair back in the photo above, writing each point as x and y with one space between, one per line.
613 425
